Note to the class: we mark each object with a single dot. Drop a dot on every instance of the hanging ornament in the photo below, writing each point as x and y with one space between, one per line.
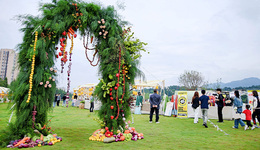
32 68
112 117
64 33
87 48
69 68
111 98
34 112
112 107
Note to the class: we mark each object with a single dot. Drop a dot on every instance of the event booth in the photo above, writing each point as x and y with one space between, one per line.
155 84
83 92
184 109
4 94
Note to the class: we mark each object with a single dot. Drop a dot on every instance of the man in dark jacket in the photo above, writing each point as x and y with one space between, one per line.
155 101
219 102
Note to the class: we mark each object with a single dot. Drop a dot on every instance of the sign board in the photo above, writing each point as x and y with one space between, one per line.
182 104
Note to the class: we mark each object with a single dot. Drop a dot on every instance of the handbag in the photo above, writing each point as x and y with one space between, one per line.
237 116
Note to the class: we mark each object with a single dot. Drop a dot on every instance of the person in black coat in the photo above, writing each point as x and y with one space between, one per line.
64 100
220 103
195 105
155 101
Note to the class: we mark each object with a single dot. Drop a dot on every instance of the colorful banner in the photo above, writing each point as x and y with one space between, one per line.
182 104
250 96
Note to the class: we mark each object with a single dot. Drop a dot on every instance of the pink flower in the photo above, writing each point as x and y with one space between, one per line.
104 37
41 83
104 26
50 78
51 69
99 22
101 27
49 85
53 79
47 82
55 71
100 33
45 85
129 122
102 20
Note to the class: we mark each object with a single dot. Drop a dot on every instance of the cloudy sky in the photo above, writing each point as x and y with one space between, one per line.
219 38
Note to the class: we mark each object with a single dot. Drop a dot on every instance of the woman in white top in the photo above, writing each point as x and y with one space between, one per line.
256 108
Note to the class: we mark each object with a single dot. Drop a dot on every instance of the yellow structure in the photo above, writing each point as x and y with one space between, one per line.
84 91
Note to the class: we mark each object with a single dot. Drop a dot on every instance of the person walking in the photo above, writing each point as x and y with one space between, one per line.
91 103
74 100
55 100
195 105
220 103
64 100
138 103
247 112
256 109
155 101
58 100
238 105
204 105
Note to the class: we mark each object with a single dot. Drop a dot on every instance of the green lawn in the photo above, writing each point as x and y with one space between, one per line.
75 126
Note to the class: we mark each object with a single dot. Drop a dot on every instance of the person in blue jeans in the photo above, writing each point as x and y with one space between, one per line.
204 105
238 104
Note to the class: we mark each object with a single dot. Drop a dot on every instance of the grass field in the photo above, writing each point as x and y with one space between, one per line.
75 126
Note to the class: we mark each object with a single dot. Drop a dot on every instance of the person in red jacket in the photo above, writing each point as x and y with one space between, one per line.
247 112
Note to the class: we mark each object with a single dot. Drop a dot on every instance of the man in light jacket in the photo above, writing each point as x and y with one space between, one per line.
155 101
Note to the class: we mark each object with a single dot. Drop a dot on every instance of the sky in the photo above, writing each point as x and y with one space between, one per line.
220 38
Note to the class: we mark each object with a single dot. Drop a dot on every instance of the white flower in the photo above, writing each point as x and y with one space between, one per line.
99 22
51 69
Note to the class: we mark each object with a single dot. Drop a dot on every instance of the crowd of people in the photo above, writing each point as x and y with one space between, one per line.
58 98
204 102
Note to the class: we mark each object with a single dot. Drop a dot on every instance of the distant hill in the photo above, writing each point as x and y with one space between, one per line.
247 82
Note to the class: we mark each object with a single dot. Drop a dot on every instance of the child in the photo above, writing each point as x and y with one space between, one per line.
247 112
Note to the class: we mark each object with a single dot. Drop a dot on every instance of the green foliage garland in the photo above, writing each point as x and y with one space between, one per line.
56 18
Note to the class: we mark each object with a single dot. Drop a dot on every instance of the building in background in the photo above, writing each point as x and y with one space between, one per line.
9 66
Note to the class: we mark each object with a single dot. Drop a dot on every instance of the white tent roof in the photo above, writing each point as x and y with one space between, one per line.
4 89
88 85
152 83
